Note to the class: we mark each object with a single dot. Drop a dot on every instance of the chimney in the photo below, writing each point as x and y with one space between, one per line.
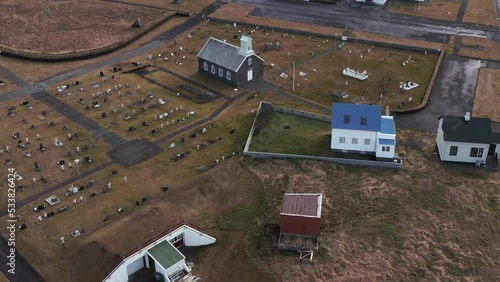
246 46
467 116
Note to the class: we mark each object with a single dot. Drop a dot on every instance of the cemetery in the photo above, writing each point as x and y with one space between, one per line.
384 68
42 145
149 103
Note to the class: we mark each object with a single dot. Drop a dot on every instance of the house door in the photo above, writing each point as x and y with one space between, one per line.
250 74
491 151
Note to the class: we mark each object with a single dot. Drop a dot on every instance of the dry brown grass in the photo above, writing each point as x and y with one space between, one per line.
43 26
9 86
3 278
47 160
37 71
428 221
325 74
436 9
184 5
239 12
487 99
140 88
481 12
488 50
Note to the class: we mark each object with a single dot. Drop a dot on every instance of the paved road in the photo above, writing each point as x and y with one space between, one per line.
23 270
369 20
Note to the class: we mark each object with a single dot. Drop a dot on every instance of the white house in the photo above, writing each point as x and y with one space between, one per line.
363 129
161 253
376 2
466 139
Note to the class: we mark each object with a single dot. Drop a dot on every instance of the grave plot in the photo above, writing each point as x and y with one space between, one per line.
181 88
133 106
380 72
28 144
6 85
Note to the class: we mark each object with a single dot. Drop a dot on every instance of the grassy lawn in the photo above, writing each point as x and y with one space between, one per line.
481 12
436 9
324 75
488 49
305 136
487 100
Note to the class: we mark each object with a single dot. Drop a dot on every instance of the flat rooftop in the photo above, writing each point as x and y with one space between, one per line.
302 204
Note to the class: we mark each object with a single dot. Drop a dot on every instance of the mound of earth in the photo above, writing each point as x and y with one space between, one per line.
55 26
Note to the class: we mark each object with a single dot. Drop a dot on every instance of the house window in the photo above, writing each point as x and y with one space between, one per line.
228 75
249 61
367 141
347 119
476 152
341 139
355 141
453 150
212 69
386 149
221 72
205 66
176 239
364 120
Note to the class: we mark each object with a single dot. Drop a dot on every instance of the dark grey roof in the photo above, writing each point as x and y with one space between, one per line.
222 53
477 130
495 137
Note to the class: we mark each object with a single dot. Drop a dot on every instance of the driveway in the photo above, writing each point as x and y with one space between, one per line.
452 94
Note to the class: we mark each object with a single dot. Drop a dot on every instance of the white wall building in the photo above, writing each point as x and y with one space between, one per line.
162 254
363 129
466 139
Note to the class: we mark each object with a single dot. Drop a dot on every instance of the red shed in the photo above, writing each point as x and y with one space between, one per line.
300 214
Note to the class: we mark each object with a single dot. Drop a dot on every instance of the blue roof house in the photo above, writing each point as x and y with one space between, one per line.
362 129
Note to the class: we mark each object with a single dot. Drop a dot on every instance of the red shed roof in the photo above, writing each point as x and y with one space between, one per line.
302 204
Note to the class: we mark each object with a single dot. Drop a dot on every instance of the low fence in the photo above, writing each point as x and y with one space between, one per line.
300 113
265 155
344 161
73 56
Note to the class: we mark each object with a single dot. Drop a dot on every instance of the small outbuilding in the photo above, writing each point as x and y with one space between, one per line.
300 221
229 63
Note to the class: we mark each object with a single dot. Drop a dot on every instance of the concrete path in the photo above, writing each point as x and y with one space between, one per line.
75 116
12 77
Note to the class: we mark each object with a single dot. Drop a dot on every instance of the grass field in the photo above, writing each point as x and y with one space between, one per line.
184 6
428 221
481 12
488 50
436 9
487 100
37 71
324 75
310 134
